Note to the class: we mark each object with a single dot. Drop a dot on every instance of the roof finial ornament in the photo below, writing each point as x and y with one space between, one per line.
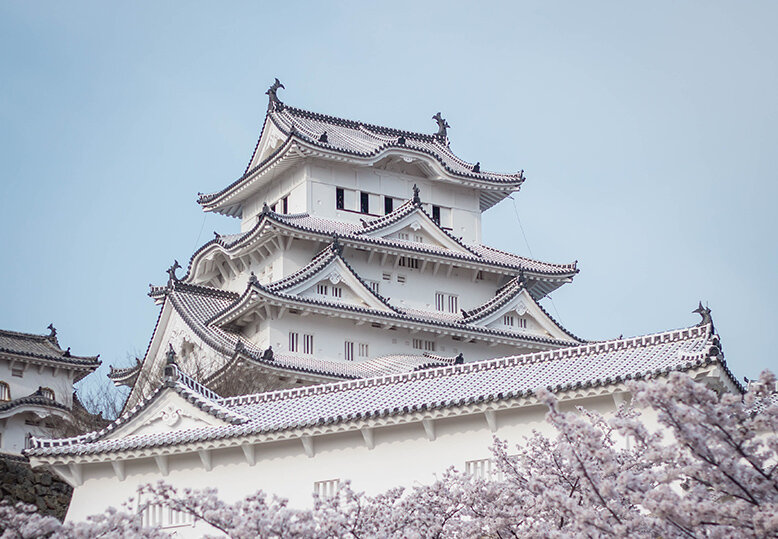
704 312
522 278
171 271
253 279
67 353
52 331
265 208
336 246
170 355
401 140
459 359
275 104
442 126
477 167
416 198
267 355
323 137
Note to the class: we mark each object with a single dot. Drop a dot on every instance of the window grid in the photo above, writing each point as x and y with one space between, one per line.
326 489
337 292
349 351
446 302
508 320
294 339
307 344
321 289
523 323
423 344
408 262
363 349
401 278
47 392
5 391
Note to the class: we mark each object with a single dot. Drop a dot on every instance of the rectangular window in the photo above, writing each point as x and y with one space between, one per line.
294 341
321 289
446 302
363 349
337 292
307 344
479 469
401 279
508 320
523 323
436 214
403 236
418 239
326 489
479 276
340 199
423 344
374 285
17 371
387 276
364 202
388 205
285 204
408 262
348 353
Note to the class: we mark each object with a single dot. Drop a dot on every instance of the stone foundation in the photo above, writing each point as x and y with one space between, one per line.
20 483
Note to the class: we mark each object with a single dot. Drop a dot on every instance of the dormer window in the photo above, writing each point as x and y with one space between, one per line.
5 392
47 392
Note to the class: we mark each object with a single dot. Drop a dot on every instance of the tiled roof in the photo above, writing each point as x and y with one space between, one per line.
591 365
44 347
363 140
35 399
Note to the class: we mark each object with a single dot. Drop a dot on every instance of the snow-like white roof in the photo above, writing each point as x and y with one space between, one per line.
590 365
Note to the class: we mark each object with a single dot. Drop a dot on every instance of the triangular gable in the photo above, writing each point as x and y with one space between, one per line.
167 411
517 311
331 279
411 223
270 140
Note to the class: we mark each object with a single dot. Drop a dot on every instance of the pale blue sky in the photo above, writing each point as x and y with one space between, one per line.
647 133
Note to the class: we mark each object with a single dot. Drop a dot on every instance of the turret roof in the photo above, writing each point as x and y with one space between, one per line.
361 141
573 369
36 348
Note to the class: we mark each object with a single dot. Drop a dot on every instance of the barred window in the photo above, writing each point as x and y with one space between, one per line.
294 341
307 344
5 391
349 351
326 489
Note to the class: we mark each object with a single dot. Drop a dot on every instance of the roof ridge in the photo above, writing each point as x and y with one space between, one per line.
345 122
522 359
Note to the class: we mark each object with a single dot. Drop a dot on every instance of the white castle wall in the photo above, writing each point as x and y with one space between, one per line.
403 456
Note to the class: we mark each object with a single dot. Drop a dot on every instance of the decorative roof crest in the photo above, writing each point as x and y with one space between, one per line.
416 198
336 245
275 104
171 271
442 134
704 312
52 332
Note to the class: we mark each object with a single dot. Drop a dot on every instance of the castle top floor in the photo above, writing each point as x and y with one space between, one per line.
345 170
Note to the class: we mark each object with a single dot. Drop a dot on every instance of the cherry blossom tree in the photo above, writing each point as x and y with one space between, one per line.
709 471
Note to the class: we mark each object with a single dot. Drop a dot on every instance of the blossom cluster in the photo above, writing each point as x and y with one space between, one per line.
710 470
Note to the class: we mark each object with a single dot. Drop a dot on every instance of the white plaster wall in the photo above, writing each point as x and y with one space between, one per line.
462 213
14 430
290 182
61 381
402 456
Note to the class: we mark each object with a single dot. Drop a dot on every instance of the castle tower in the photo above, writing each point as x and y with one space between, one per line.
359 254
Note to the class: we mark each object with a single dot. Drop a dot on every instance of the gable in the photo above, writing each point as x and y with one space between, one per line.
270 140
417 227
167 412
336 283
522 314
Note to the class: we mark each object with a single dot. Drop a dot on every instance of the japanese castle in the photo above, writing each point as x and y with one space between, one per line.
359 255
356 319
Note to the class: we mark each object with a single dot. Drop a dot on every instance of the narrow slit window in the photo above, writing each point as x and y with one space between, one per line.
436 214
307 344
364 202
388 205
294 340
348 353
285 204
340 199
